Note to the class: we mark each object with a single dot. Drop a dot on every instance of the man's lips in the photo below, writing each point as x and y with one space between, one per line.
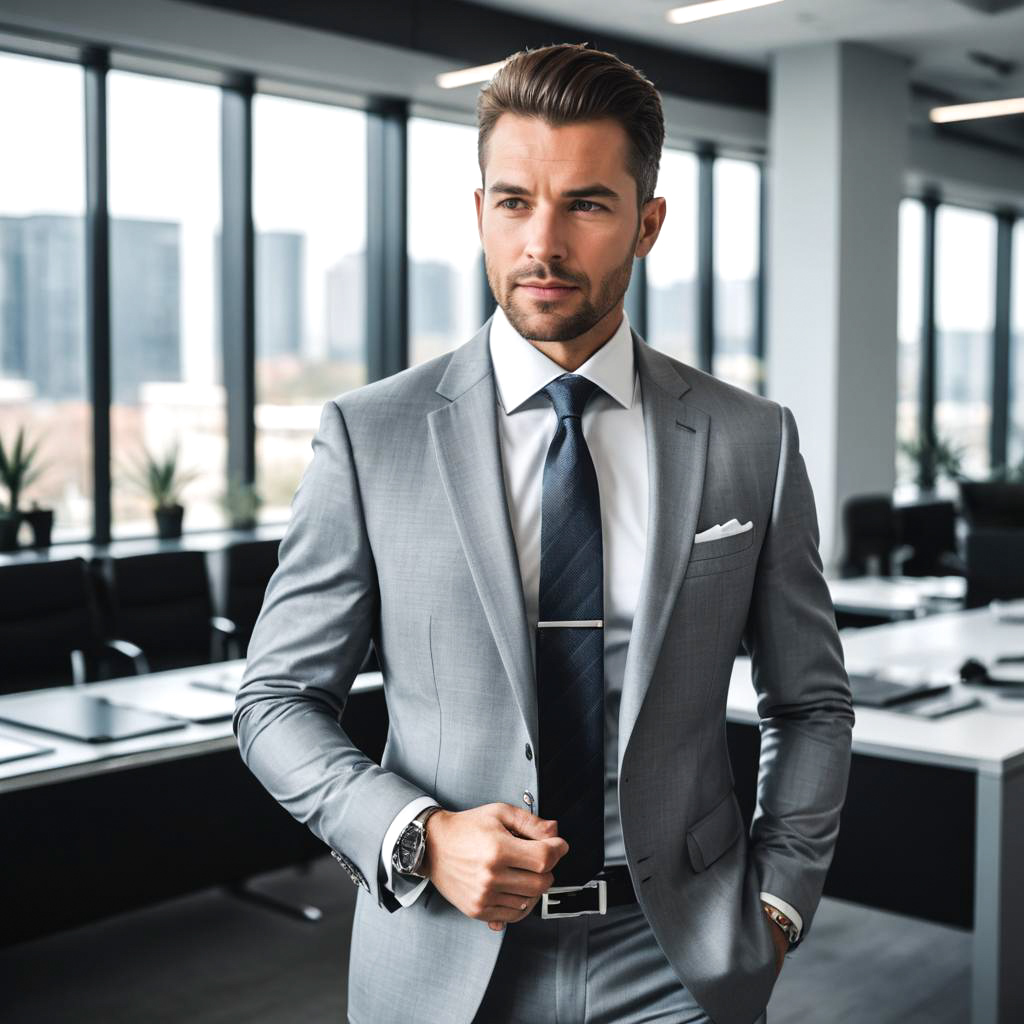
557 291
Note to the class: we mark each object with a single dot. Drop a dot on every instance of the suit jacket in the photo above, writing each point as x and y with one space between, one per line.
400 534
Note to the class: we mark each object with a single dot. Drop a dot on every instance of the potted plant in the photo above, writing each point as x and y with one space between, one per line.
162 479
18 469
241 502
933 459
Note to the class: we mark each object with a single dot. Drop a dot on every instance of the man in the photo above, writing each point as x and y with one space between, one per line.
557 539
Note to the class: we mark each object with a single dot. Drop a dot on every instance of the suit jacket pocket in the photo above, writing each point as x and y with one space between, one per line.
730 545
713 834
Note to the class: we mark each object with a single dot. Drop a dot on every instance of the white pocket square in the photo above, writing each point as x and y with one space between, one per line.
720 530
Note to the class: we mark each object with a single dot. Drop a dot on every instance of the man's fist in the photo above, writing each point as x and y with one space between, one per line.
492 862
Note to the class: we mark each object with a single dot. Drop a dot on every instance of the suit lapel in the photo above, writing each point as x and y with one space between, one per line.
677 441
465 438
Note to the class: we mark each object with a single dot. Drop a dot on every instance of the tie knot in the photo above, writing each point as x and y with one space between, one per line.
569 394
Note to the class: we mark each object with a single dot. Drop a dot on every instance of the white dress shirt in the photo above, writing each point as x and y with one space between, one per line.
613 427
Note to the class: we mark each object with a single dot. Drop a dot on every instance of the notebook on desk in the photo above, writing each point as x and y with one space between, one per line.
872 692
184 702
81 716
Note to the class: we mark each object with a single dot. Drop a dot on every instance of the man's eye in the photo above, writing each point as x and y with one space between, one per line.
511 200
592 206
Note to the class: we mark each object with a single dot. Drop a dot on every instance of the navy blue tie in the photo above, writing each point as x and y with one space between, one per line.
570 639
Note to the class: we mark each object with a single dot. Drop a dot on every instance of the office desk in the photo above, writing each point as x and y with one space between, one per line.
91 830
934 819
933 824
897 597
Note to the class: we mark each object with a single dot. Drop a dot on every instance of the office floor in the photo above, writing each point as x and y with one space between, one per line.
211 959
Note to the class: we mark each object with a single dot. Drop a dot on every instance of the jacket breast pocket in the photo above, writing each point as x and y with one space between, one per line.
719 555
715 833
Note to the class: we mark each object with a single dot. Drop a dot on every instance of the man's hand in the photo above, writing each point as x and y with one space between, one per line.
781 941
492 862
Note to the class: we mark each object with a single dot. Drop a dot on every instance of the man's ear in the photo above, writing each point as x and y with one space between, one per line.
652 216
478 197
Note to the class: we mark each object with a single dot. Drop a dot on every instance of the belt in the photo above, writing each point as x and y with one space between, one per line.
611 887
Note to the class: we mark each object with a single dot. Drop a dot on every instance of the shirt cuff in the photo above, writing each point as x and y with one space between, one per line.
401 819
788 909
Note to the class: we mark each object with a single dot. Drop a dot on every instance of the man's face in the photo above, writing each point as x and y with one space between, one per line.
560 211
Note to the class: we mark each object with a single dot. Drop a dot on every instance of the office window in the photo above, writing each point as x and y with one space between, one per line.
672 263
965 253
445 265
164 181
43 384
911 299
309 211
1015 442
736 218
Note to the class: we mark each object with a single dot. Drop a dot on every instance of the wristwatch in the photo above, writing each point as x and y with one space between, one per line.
787 926
407 856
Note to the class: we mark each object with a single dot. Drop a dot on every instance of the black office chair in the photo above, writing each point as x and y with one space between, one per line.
868 531
162 603
992 504
928 531
50 632
249 566
995 566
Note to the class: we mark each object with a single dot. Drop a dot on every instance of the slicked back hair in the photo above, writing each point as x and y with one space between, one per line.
568 83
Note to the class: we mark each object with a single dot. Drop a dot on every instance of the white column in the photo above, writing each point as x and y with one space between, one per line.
837 155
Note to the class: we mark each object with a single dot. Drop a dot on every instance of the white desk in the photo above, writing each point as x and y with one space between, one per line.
986 741
73 759
897 597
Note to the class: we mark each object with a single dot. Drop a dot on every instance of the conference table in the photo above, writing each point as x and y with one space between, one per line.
933 825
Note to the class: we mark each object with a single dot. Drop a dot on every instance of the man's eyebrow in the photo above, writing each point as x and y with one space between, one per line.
596 189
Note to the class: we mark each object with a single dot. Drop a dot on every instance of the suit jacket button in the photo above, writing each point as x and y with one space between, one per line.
529 752
528 799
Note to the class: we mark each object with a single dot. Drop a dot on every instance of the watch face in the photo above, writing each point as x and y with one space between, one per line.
408 847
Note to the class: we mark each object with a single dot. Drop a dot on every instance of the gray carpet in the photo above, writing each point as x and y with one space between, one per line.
212 959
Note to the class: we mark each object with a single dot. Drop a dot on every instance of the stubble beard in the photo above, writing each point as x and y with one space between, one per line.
569 326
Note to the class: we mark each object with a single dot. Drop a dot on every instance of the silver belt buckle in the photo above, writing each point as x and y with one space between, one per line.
600 884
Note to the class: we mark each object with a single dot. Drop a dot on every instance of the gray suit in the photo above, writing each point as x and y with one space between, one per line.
400 533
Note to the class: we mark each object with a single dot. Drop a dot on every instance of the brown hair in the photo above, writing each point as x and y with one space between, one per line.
570 82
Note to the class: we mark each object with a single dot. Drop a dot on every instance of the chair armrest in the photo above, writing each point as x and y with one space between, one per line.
227 634
223 625
901 554
133 652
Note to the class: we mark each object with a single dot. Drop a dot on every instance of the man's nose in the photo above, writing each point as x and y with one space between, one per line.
546 240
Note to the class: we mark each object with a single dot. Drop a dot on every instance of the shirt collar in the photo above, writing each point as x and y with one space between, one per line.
521 369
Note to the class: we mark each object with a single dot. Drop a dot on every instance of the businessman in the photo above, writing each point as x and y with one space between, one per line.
557 539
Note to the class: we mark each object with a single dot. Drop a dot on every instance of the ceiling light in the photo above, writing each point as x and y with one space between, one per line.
713 9
972 111
467 76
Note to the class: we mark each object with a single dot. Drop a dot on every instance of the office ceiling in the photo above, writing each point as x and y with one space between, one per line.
971 49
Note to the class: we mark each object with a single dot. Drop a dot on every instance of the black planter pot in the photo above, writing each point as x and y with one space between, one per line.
41 521
168 521
9 532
